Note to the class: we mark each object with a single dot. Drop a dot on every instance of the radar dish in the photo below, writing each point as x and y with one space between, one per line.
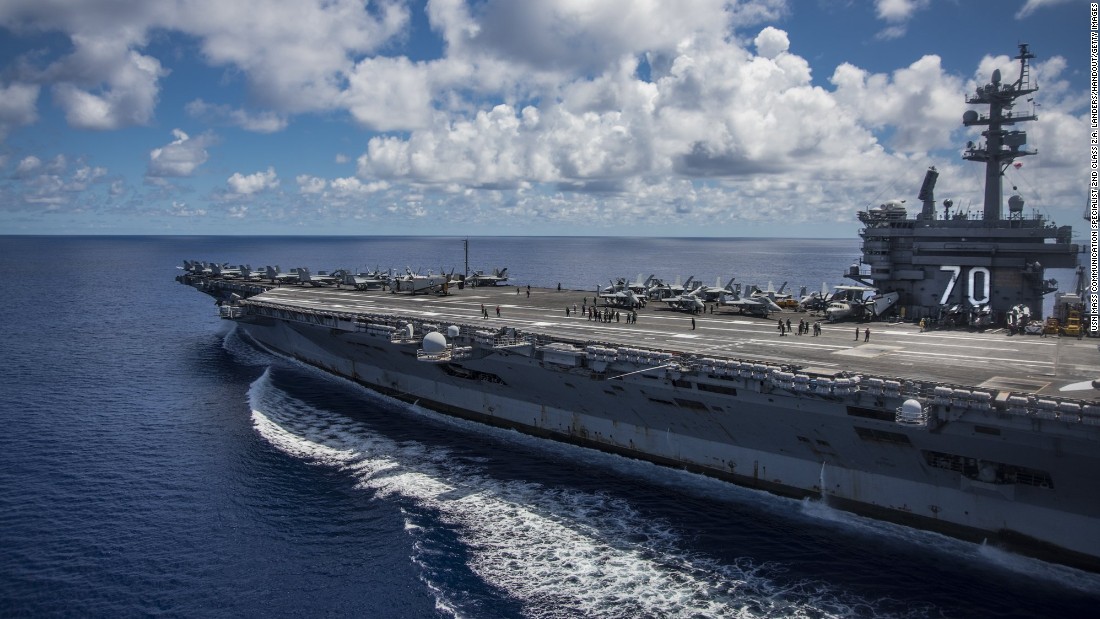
1016 204
912 413
970 117
434 343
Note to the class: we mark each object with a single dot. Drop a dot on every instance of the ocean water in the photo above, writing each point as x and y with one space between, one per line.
153 463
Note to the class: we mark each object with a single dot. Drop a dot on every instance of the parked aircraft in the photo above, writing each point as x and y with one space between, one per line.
715 292
278 277
687 302
660 291
641 286
480 278
622 298
320 279
859 303
782 299
225 271
616 286
816 301
195 267
363 281
755 305
415 283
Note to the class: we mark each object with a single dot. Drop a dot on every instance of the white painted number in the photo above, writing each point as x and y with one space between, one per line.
985 286
975 300
951 284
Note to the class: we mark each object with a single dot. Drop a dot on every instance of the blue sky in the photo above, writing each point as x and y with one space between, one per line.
610 117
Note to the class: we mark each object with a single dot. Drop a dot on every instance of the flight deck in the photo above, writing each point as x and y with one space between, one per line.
1052 365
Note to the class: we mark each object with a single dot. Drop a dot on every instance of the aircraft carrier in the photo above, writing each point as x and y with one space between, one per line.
980 435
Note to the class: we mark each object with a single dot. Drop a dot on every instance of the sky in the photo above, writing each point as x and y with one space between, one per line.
694 118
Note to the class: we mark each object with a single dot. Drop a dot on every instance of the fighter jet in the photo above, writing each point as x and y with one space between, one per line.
660 291
816 301
363 281
195 267
616 286
278 277
223 270
480 278
624 297
713 293
755 305
641 286
782 299
687 302
320 279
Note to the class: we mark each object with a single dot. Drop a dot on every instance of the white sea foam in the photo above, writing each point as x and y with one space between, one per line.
559 552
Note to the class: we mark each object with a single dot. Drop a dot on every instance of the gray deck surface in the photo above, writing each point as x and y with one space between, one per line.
993 359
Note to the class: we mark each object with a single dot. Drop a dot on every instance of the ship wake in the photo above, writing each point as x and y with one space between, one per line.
557 552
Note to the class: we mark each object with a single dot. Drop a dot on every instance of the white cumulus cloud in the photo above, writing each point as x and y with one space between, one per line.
898 10
253 183
104 84
771 42
18 106
181 157
310 185
353 186
27 166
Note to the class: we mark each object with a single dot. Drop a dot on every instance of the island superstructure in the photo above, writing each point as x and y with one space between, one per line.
978 435
958 262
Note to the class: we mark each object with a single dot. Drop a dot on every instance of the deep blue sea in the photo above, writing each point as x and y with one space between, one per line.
153 464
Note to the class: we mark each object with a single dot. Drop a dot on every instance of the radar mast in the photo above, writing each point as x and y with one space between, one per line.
1001 147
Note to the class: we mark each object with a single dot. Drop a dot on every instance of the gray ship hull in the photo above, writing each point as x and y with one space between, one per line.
846 449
